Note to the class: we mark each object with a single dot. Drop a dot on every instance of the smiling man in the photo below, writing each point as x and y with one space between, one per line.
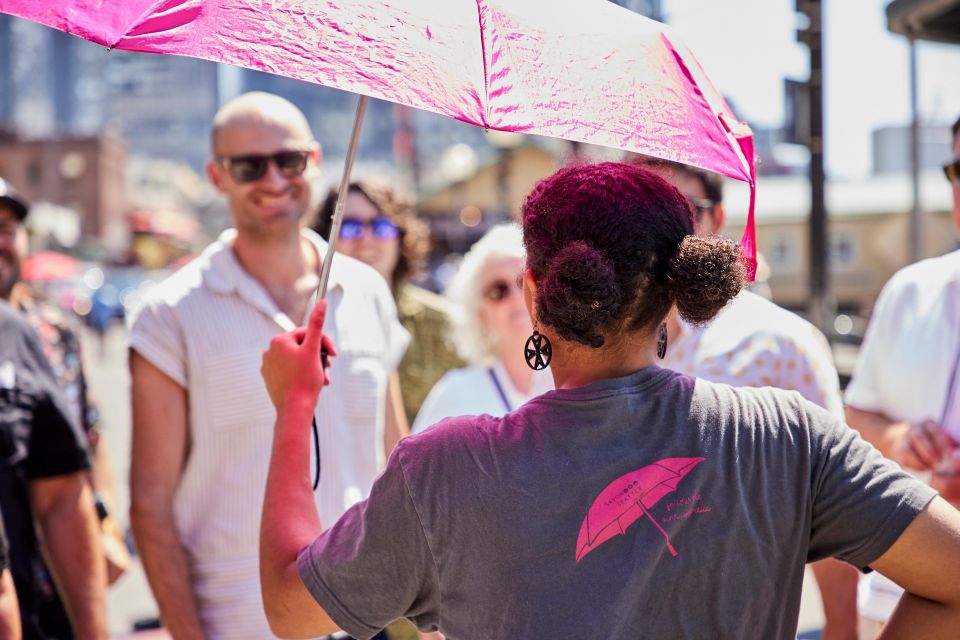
203 421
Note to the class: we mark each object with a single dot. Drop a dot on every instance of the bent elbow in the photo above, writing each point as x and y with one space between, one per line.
290 618
287 624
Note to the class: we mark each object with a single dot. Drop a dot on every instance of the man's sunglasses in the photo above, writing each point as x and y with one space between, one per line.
499 290
382 227
252 167
952 171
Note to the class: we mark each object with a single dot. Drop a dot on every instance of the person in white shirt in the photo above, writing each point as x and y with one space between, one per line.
202 419
904 395
490 327
754 343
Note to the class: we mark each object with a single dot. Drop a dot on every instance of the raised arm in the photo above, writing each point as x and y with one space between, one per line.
63 507
925 561
294 376
396 426
159 451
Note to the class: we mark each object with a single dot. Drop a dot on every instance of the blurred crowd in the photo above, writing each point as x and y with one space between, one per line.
407 358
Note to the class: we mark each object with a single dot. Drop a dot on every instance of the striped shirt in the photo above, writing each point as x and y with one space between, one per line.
206 327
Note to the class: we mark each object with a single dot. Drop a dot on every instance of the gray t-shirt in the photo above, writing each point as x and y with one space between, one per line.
650 506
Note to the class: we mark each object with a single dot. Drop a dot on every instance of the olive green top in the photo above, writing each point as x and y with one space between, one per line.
431 352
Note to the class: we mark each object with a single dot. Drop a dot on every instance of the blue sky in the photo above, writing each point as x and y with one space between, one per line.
867 81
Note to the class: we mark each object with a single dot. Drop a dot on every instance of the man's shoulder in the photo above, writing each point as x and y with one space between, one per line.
751 314
184 283
14 323
355 274
930 274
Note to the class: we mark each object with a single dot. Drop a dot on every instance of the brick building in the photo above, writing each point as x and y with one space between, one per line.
85 174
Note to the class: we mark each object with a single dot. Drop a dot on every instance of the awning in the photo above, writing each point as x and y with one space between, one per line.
935 20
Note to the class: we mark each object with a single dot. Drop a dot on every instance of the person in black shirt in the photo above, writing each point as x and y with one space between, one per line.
43 460
9 609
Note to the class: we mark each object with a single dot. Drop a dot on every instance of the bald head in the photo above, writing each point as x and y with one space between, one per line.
260 110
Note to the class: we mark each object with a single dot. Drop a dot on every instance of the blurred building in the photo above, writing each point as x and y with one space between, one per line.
935 20
649 8
890 144
85 174
460 211
868 228
52 83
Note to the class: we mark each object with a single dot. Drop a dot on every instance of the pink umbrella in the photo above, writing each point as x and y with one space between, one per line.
582 70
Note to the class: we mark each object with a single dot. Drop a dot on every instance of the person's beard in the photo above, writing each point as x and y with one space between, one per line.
9 274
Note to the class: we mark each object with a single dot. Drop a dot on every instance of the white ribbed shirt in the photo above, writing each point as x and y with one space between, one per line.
907 369
206 327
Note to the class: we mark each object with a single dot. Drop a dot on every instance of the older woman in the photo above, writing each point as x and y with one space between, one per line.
632 501
490 327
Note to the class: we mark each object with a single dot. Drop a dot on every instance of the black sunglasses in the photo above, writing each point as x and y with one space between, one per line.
252 167
952 171
499 290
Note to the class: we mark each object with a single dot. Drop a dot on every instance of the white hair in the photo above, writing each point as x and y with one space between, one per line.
474 342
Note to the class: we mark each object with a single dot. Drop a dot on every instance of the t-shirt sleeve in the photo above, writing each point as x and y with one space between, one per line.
57 444
155 334
861 501
375 565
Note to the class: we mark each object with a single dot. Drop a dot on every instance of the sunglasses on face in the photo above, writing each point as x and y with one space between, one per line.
701 205
381 226
252 167
952 171
500 290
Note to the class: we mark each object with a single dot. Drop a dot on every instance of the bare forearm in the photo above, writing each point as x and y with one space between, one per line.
165 563
9 609
396 426
289 523
838 589
877 429
917 617
101 475
71 536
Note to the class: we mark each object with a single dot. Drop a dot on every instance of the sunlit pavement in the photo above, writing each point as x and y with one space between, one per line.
130 600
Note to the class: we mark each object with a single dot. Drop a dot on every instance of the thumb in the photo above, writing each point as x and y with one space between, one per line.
314 331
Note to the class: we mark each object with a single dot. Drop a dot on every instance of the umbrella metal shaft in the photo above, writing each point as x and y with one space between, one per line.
341 198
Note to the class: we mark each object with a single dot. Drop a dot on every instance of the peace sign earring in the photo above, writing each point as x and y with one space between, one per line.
538 351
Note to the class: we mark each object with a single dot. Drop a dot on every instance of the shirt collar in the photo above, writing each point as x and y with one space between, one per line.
223 273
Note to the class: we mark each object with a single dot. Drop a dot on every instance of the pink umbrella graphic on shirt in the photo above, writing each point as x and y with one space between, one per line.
629 497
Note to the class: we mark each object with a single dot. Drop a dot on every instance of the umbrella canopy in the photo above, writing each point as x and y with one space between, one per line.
582 70
49 266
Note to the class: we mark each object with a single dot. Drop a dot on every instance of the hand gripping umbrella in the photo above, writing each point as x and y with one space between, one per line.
582 70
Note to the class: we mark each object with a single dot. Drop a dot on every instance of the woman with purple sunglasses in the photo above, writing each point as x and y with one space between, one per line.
381 229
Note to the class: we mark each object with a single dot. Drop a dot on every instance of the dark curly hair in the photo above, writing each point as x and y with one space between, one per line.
611 247
414 234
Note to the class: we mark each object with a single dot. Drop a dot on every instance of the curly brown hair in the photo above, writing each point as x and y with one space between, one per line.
414 233
611 247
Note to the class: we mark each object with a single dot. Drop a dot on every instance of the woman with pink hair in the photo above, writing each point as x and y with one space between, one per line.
631 501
